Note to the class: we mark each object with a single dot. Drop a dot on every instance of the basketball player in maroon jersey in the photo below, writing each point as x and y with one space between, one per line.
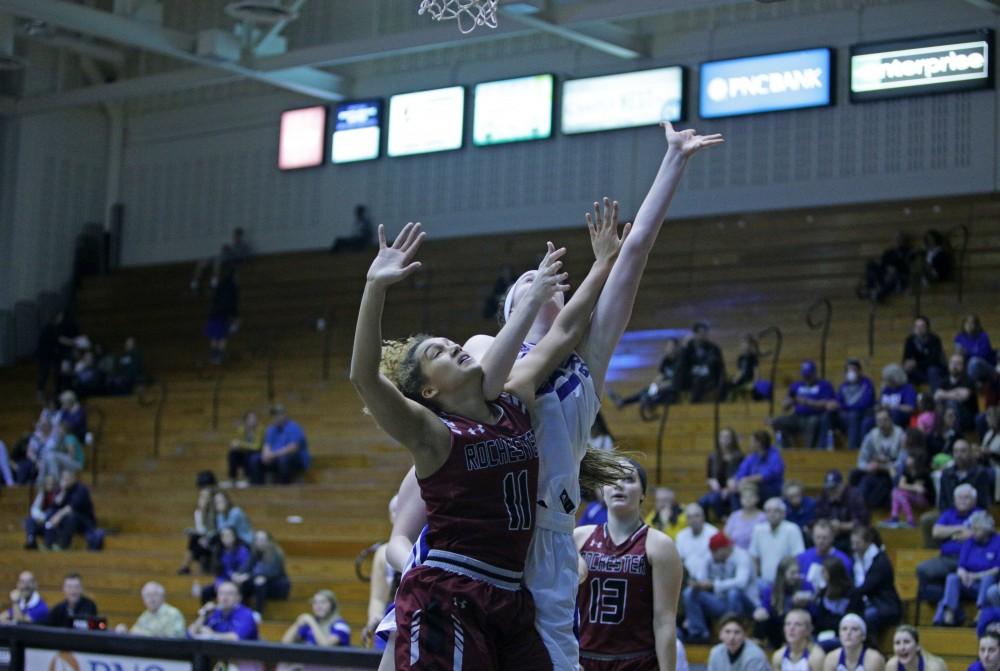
468 428
628 600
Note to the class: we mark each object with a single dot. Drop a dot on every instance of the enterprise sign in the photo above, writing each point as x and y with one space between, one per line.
784 81
940 64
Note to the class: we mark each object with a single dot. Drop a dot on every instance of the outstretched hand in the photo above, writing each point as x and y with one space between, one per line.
396 263
688 142
603 227
548 281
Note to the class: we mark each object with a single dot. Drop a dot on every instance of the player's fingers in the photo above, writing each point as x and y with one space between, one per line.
381 236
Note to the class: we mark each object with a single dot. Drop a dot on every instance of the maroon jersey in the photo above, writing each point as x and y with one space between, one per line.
481 502
616 600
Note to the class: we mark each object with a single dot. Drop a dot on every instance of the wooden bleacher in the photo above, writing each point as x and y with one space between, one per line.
740 273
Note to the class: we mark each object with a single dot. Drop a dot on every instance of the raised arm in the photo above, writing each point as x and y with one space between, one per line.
614 309
411 516
500 357
408 422
573 321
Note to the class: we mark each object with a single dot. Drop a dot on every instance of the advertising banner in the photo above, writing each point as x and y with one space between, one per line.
61 660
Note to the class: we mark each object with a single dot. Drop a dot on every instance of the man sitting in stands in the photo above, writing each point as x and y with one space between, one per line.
160 619
811 561
809 402
74 514
285 452
76 607
664 389
26 604
230 620
725 583
843 506
702 367
923 356
692 542
958 391
951 529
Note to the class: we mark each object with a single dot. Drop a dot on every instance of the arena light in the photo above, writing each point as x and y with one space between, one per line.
302 139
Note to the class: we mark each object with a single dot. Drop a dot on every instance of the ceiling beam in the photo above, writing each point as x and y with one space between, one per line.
628 49
988 5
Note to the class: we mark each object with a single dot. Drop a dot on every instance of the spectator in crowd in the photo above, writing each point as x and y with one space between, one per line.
914 488
925 419
702 366
74 607
230 255
788 592
808 401
909 656
595 512
230 620
938 260
285 452
897 395
228 515
364 233
763 467
244 447
72 414
230 558
723 463
991 436
854 403
665 388
160 619
63 452
832 600
693 541
946 432
724 583
6 474
26 604
43 439
964 469
42 509
989 653
923 355
974 343
874 593
958 391
740 525
202 536
747 364
811 560
775 540
74 513
667 515
129 369
323 626
843 506
736 652
853 653
87 379
950 530
798 652
263 575
223 318
978 564
877 460
800 509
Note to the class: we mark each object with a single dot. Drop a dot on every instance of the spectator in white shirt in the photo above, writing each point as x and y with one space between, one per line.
692 542
725 583
774 540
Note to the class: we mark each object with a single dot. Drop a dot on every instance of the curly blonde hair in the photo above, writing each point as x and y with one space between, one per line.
399 364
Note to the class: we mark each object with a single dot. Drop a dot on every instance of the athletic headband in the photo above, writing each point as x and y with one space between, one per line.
856 619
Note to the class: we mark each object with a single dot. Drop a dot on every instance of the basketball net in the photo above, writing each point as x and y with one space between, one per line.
468 13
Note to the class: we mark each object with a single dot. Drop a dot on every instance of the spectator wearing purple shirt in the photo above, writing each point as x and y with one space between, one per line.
973 342
809 402
233 555
811 561
978 564
950 530
26 604
763 466
285 452
923 355
897 396
800 508
989 653
323 627
228 621
855 400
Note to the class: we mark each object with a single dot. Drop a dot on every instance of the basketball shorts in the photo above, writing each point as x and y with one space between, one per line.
450 621
639 662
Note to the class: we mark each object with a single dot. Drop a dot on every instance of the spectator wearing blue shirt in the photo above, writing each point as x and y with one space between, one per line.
978 565
897 396
26 604
763 467
811 561
974 343
228 515
323 627
800 509
950 530
232 555
989 653
285 452
809 402
229 620
855 400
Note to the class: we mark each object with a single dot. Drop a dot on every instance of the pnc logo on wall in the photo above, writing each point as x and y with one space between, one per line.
62 660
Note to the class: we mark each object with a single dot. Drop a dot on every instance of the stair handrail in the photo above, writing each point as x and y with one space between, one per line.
95 437
960 266
821 324
775 354
160 401
660 434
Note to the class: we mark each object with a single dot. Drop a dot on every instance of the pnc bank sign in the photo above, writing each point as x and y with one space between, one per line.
55 660
790 80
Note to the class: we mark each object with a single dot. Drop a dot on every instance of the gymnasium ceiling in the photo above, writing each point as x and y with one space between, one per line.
127 49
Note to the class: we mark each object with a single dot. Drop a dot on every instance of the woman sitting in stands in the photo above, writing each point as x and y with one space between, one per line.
788 593
800 652
203 535
263 575
323 626
247 442
739 526
722 465
909 656
830 604
228 515
874 593
232 555
853 654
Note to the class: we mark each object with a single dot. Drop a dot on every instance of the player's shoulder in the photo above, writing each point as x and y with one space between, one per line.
478 345
582 533
659 545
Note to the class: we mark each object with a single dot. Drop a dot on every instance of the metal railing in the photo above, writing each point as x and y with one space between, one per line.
963 230
95 442
327 342
160 401
917 270
872 309
821 323
201 654
216 399
775 354
660 434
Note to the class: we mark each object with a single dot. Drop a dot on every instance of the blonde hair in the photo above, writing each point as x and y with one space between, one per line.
399 364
